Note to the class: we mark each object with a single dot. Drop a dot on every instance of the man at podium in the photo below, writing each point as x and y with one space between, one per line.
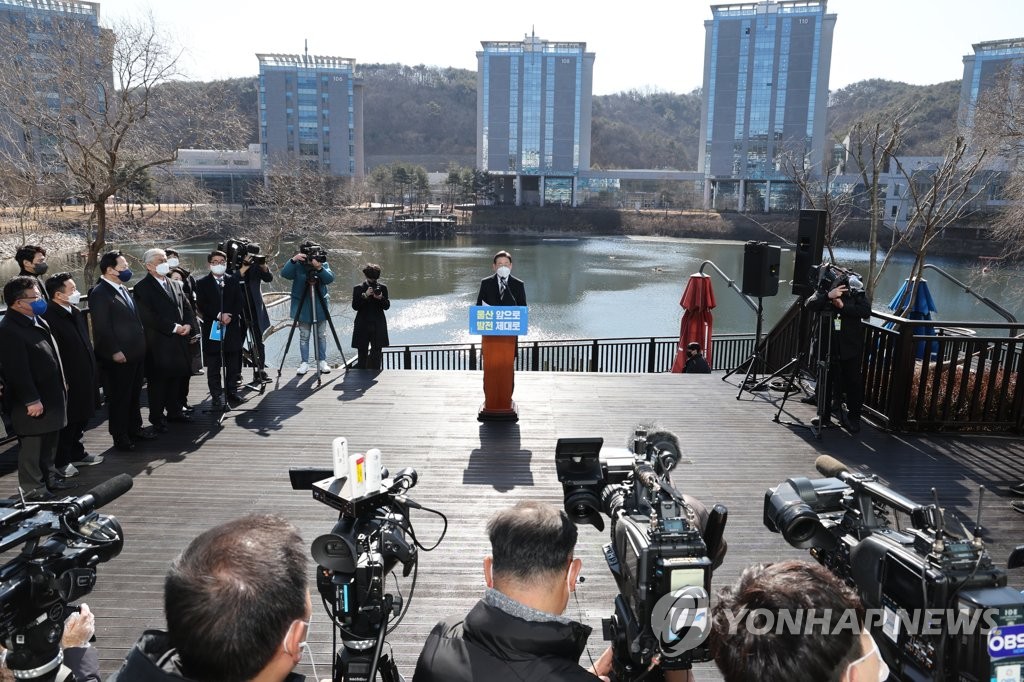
502 288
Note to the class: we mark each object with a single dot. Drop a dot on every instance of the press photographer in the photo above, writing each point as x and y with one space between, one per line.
370 328
62 542
937 606
841 304
244 258
310 276
664 548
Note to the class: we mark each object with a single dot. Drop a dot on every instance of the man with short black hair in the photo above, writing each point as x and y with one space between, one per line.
696 363
34 388
31 259
744 649
517 632
220 299
237 606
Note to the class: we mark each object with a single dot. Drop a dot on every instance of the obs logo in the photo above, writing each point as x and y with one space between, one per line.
680 620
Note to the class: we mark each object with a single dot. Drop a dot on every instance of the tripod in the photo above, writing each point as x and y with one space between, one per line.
316 299
256 352
821 342
755 362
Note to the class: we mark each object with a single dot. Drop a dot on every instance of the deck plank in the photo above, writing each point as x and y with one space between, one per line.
200 474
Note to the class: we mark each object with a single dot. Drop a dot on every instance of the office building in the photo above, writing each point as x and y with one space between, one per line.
766 69
533 118
311 114
983 70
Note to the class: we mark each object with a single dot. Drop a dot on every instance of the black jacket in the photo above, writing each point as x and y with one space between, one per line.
515 293
697 364
167 353
72 336
370 325
254 279
153 660
213 299
116 327
848 338
31 371
495 646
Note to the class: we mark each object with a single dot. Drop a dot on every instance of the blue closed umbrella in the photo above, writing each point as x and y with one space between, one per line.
920 308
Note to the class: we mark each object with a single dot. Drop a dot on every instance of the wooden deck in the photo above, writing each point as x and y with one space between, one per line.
201 474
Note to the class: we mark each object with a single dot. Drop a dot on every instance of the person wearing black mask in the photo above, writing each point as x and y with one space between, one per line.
370 329
32 261
695 361
34 393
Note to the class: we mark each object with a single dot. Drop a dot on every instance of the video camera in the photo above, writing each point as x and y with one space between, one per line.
941 609
831 276
372 536
238 250
63 542
663 550
313 251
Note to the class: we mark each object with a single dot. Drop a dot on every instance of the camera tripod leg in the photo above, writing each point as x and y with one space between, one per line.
291 333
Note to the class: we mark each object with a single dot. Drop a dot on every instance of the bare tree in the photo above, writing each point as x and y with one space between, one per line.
95 103
822 192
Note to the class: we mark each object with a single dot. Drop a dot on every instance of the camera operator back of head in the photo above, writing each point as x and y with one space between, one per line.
237 606
516 632
836 648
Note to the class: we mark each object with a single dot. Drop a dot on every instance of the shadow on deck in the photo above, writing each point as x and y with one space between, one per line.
201 474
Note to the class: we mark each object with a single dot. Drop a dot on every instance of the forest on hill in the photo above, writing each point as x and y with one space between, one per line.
427 115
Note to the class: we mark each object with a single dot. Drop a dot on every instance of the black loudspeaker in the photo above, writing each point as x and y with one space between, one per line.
810 242
761 269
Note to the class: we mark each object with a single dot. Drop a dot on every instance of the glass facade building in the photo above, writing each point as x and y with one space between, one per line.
766 68
311 112
533 118
983 69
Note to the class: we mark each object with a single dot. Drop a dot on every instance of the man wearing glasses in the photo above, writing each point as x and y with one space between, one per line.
35 392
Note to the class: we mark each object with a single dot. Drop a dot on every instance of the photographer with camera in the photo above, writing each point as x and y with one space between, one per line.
841 295
516 631
370 329
308 266
838 647
254 272
237 606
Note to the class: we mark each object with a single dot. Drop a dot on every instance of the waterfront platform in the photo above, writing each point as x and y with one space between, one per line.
201 474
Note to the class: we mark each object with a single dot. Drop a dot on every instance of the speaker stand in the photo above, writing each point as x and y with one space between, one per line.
756 361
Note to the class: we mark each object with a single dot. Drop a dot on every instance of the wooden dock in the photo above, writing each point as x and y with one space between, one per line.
201 474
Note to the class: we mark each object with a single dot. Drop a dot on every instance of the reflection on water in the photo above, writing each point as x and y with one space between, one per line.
576 288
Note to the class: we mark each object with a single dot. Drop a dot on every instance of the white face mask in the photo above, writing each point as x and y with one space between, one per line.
75 297
504 271
163 269
218 269
172 262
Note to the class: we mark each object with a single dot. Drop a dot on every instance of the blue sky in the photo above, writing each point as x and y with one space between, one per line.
642 44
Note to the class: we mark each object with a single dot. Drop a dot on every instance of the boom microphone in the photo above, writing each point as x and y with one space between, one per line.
830 466
104 493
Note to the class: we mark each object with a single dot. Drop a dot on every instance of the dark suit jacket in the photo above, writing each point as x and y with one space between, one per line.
515 293
167 353
254 278
213 299
116 327
848 339
69 329
370 325
32 371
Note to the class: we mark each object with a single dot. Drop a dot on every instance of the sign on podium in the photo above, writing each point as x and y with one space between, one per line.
499 326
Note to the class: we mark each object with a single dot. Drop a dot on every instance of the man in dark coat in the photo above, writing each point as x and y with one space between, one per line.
220 299
237 607
501 288
254 274
847 305
516 632
34 388
370 329
120 343
68 326
695 361
168 320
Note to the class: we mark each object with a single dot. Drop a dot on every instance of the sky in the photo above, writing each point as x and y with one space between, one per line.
647 45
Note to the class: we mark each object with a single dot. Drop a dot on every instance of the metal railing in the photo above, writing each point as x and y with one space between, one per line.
644 355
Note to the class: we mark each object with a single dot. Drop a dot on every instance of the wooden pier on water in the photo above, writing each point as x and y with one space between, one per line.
203 473
425 225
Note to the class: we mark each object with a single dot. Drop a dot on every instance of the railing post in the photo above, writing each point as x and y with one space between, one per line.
472 356
535 356
593 356
652 349
901 371
407 358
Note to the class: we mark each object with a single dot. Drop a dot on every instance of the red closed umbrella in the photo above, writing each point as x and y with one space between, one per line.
697 301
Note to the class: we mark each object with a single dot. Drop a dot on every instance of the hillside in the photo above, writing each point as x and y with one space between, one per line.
427 115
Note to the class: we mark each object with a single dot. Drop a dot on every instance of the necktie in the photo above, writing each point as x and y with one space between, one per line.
127 298
501 287
167 288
